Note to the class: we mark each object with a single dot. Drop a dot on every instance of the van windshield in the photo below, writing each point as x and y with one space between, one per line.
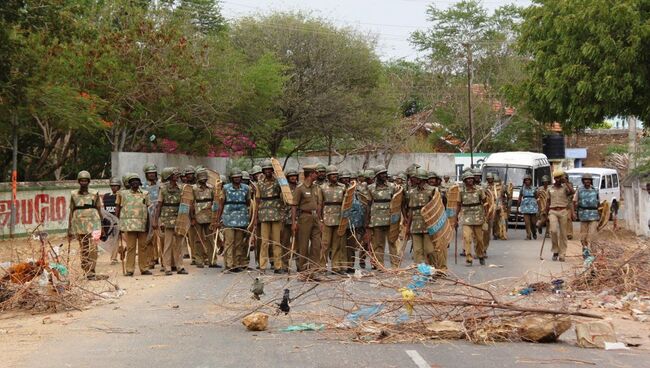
576 180
514 175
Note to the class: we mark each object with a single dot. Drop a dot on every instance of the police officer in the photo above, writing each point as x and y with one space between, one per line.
527 204
233 215
255 172
306 221
379 219
586 200
345 177
85 218
270 217
416 198
472 202
331 197
108 200
322 171
202 216
493 222
287 234
542 216
189 175
152 186
132 210
166 214
558 213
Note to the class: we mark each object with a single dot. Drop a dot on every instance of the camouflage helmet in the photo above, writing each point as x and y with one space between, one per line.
467 175
587 176
125 181
83 175
402 176
489 176
267 164
369 174
412 169
245 175
236 172
150 168
421 174
132 176
331 169
256 169
115 181
379 169
167 173
176 171
432 175
528 176
320 167
545 179
345 173
291 172
189 169
202 174
476 172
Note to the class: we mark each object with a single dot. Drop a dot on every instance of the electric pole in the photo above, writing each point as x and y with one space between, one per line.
468 47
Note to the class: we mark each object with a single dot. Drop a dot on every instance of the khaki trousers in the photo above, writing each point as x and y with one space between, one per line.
136 243
234 254
587 231
88 253
569 222
203 247
336 245
378 246
557 227
530 220
172 249
493 227
308 243
286 240
473 233
422 248
440 255
271 233
152 248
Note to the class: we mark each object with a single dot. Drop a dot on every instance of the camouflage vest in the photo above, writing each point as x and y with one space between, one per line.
380 209
528 203
85 217
235 208
133 210
171 199
270 201
588 204
416 200
472 206
203 206
332 201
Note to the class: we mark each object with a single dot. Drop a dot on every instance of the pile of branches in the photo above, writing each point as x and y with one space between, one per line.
617 267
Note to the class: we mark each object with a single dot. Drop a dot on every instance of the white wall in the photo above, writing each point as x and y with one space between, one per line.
636 208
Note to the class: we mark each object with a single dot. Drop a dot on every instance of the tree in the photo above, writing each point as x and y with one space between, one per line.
588 61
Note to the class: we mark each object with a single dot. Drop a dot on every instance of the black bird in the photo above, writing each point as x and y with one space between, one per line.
284 305
258 288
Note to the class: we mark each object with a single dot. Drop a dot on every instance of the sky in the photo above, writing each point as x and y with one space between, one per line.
392 21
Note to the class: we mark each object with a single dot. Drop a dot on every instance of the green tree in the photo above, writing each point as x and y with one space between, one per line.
588 61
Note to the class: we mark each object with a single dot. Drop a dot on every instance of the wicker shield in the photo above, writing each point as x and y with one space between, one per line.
253 208
183 219
395 214
542 200
348 198
453 198
604 210
282 180
214 179
435 217
491 207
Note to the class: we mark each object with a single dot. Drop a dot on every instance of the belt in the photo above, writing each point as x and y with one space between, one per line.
557 208
270 198
381 201
203 200
84 207
587 208
529 196
470 205
415 208
332 203
232 202
171 204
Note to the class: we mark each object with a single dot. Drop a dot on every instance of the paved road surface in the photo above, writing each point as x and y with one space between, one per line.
143 329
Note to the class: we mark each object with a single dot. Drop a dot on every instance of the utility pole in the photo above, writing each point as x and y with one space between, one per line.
14 176
468 47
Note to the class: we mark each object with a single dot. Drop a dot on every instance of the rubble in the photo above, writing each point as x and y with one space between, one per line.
256 321
595 334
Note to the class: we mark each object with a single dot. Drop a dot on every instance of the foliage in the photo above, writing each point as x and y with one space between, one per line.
616 148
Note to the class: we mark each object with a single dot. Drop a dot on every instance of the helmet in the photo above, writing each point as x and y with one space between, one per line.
267 164
149 168
245 175
83 175
467 175
527 176
369 174
402 176
432 175
291 172
476 172
558 173
380 169
587 176
421 174
489 176
332 170
345 174
412 169
132 176
189 169
236 172
167 173
320 167
202 174
115 181
223 178
256 169
545 178
176 171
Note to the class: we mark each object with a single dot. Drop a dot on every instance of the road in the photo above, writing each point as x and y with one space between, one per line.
145 329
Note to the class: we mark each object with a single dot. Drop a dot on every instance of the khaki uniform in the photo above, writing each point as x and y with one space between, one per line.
154 245
417 198
270 216
364 197
331 196
287 234
169 199
569 221
85 217
557 217
587 201
306 199
235 218
471 202
134 217
202 247
380 197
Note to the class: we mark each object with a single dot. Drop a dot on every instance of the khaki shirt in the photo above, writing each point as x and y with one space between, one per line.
306 198
559 196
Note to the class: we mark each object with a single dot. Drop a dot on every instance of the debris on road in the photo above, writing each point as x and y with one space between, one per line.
595 334
256 321
303 327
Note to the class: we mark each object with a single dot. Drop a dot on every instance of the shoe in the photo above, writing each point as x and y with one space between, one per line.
146 272
129 274
362 265
186 256
113 261
174 269
535 236
561 259
151 267
570 237
214 266
350 270
462 253
555 255
278 272
468 263
200 266
193 263
481 261
168 273
182 272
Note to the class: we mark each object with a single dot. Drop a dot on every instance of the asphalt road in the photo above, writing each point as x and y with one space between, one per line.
145 329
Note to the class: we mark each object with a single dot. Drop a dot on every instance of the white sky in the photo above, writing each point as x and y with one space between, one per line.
391 20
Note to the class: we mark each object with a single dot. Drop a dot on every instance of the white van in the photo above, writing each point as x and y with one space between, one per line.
512 167
606 180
